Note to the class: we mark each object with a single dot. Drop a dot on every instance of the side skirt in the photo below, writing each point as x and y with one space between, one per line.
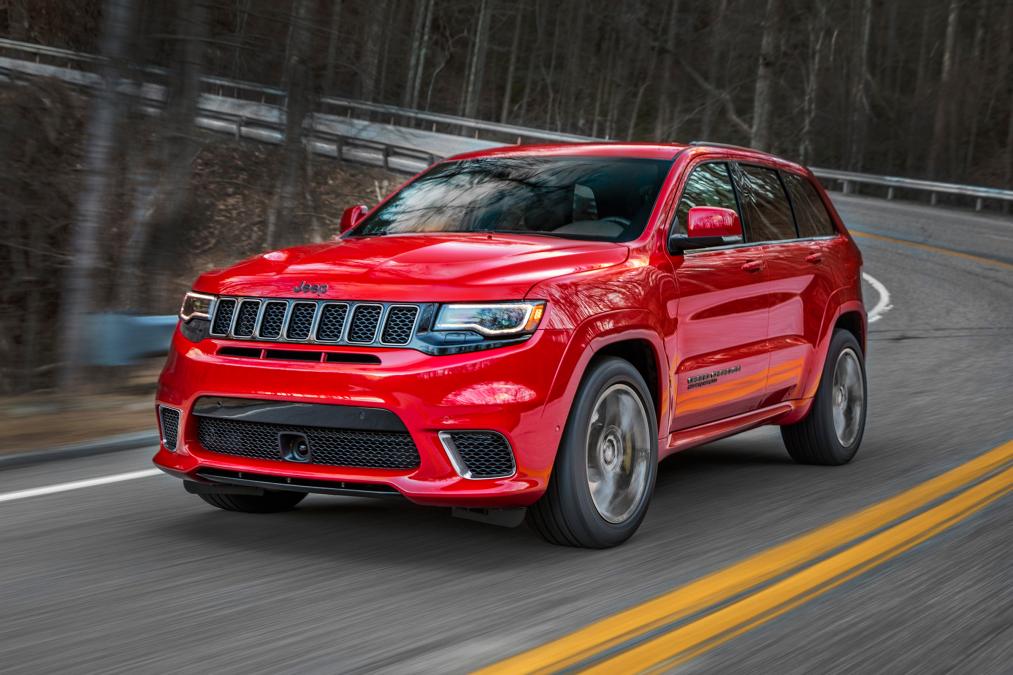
712 431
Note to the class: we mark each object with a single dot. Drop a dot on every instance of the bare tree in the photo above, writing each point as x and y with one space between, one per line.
476 61
939 121
859 89
299 90
101 133
759 136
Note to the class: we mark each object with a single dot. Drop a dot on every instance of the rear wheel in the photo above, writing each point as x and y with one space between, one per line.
272 501
607 462
832 431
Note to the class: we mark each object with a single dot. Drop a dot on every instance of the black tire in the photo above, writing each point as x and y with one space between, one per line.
815 439
566 514
272 501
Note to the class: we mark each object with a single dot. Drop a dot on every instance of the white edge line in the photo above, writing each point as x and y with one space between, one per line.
77 485
883 305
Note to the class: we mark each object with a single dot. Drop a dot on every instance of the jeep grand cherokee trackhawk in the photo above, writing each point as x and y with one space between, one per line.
526 327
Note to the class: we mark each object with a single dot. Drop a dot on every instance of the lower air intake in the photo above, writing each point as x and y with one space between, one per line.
479 454
331 447
169 419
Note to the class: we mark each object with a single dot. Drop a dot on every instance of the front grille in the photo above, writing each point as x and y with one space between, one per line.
310 321
365 319
332 322
246 321
332 447
223 316
301 322
481 454
169 418
274 317
400 324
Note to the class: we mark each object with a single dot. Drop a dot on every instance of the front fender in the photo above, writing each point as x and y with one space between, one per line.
589 338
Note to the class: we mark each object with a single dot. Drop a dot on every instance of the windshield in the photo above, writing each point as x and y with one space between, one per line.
601 198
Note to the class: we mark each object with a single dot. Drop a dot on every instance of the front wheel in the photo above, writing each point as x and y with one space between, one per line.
832 431
607 462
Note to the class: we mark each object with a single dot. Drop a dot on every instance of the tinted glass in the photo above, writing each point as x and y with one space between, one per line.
768 214
810 212
573 197
708 185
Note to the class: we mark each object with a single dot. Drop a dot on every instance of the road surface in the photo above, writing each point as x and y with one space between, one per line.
138 576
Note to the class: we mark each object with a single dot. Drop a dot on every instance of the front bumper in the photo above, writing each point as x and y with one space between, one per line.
505 390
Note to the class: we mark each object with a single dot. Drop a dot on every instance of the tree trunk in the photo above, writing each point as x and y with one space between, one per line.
332 48
713 65
667 79
420 27
942 94
512 66
476 61
817 33
759 136
298 94
371 48
101 135
859 90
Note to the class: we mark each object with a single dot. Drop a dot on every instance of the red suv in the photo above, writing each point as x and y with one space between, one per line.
526 331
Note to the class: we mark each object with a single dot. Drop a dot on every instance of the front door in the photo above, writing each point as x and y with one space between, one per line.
720 365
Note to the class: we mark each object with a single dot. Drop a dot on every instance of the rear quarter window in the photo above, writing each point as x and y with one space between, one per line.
810 211
766 206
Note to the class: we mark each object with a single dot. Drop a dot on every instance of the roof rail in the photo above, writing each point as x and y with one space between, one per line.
725 145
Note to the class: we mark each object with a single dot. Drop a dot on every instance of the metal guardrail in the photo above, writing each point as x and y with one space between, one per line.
848 180
247 127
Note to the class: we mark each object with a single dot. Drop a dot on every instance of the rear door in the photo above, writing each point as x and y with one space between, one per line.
817 260
720 367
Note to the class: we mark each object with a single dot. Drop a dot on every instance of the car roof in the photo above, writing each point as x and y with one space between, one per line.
631 150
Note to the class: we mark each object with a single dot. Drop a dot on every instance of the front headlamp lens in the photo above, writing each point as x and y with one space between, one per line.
196 305
501 318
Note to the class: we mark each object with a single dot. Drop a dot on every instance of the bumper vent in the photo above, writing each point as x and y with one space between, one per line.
315 321
479 454
331 447
169 420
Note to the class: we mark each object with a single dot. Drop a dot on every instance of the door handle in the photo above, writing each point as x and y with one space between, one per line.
814 258
753 266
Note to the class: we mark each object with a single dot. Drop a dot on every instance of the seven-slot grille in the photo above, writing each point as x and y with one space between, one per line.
315 321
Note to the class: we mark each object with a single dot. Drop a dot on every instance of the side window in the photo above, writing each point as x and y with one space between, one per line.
768 213
709 185
810 212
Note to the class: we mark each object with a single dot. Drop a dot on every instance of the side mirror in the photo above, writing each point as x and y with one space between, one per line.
352 216
707 226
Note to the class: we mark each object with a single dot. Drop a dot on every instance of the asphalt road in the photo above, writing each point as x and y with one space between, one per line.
138 576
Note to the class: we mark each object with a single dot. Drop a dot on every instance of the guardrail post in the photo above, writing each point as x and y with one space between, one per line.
978 204
846 187
933 198
889 193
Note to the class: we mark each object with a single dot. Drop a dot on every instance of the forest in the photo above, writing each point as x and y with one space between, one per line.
108 209
919 88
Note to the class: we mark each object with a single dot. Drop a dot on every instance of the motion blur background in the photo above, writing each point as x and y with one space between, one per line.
143 142
115 198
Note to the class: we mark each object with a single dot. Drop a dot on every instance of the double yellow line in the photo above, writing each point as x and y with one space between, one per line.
690 620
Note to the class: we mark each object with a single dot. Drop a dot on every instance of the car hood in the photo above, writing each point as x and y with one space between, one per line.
415 268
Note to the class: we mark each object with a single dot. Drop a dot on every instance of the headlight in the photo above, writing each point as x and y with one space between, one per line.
196 305
494 319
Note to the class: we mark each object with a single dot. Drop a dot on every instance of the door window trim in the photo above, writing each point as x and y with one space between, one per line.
738 207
